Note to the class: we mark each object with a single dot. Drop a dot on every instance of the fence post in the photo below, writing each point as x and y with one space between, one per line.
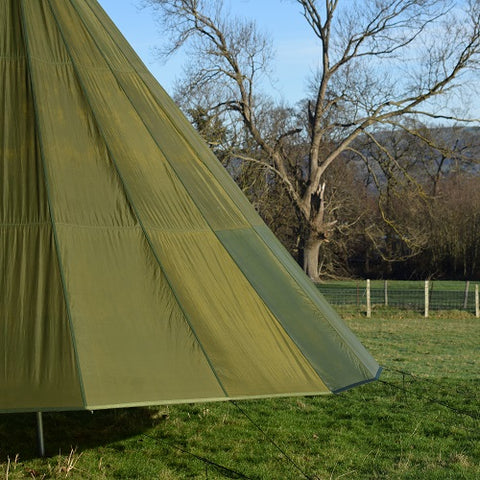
477 302
427 297
385 288
465 300
369 305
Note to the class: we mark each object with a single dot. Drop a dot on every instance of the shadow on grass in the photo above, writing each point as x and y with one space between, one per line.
66 430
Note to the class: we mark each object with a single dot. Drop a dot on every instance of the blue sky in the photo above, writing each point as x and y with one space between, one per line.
296 50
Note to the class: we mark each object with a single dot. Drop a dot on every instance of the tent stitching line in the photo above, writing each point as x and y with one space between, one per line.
194 152
336 330
99 227
68 63
12 57
150 403
126 190
49 202
41 60
26 224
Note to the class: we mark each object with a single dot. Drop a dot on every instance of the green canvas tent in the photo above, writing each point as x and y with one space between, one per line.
133 271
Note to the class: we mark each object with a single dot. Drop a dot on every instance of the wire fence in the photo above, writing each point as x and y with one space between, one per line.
396 295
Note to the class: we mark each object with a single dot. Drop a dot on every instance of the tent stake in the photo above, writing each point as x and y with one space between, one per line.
41 443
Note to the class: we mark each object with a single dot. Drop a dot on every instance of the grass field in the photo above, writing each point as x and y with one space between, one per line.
423 424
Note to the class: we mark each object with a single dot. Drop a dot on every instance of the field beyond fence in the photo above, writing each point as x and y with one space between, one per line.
442 295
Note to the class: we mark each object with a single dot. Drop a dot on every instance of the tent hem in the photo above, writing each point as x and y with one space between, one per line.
42 409
208 400
357 384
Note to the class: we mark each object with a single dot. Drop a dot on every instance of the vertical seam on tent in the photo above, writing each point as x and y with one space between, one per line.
52 217
195 152
129 198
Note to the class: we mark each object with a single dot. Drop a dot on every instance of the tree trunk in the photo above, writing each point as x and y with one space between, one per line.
310 256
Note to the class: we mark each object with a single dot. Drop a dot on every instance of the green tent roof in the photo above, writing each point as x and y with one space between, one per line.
133 271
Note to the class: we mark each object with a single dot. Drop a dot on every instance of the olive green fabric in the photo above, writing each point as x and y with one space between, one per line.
133 271
37 360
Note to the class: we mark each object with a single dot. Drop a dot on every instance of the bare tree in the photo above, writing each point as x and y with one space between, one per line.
381 61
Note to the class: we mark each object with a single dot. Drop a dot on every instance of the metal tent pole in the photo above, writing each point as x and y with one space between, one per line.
41 443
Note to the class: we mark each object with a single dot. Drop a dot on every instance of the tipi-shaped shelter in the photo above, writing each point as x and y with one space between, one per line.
132 269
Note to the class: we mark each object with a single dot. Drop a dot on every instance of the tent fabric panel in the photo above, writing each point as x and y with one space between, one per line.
38 368
154 189
150 184
37 18
84 187
212 200
201 149
19 161
311 291
250 351
128 64
37 365
134 344
204 154
158 195
309 327
11 37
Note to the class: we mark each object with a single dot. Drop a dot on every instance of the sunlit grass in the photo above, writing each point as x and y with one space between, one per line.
423 423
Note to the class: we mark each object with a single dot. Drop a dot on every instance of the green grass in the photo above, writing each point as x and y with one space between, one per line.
424 425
